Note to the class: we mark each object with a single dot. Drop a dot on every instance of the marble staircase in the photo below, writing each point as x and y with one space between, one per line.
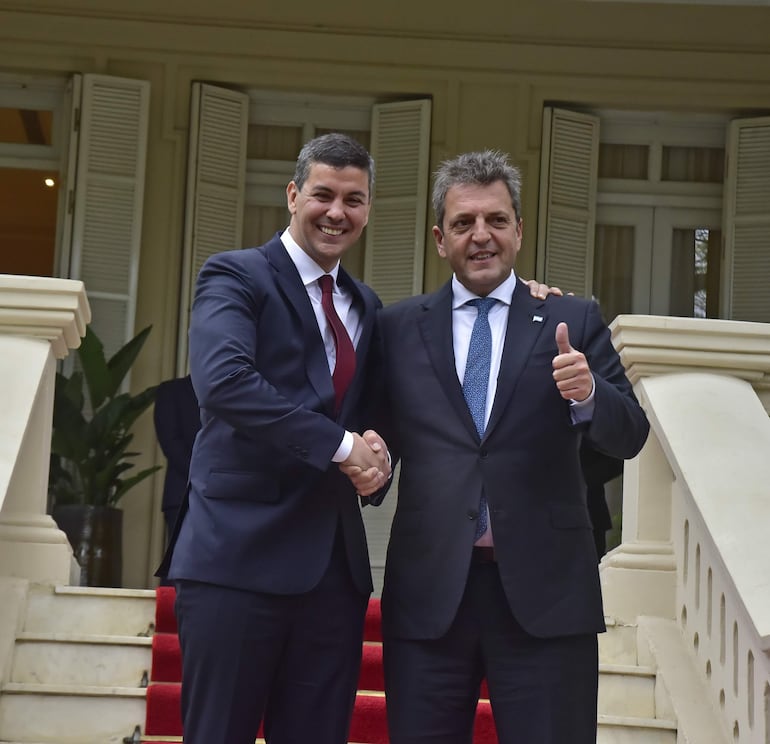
79 668
83 656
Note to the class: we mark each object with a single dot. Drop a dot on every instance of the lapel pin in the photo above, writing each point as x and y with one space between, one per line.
537 318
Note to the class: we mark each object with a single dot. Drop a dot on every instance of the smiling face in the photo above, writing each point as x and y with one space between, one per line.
481 235
330 211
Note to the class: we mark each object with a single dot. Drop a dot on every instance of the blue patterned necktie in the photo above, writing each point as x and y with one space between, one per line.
476 382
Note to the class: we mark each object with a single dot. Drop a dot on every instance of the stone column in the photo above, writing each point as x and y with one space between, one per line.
639 576
40 320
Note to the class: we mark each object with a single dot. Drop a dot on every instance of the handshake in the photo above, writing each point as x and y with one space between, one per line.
368 464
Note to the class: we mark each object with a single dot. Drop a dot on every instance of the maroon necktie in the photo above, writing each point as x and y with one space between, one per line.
345 366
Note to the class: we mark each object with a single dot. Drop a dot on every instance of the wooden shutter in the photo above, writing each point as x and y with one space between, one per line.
567 217
395 236
747 221
216 173
111 131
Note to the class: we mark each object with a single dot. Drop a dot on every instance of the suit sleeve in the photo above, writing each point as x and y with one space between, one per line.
223 347
379 409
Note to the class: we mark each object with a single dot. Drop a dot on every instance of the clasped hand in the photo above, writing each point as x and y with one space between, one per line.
367 465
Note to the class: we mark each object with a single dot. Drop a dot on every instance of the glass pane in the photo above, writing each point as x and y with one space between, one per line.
623 161
28 221
693 164
272 142
25 126
613 266
695 268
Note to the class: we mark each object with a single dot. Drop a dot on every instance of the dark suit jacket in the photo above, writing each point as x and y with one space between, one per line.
598 469
527 463
177 421
265 501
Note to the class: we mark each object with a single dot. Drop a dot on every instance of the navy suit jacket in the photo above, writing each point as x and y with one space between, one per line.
265 501
527 463
177 421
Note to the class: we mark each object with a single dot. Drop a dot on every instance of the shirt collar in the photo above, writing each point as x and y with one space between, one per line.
502 292
309 270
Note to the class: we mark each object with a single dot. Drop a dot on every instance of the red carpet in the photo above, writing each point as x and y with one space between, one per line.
369 725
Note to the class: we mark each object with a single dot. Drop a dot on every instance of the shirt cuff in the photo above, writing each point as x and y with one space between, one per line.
345 448
582 411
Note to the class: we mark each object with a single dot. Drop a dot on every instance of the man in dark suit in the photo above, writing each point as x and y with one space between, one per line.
177 421
598 470
491 568
269 555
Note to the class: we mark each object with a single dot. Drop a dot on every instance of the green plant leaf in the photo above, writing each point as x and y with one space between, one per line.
97 375
131 482
123 359
90 440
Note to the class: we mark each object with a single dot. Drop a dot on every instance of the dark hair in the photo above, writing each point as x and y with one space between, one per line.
480 168
336 150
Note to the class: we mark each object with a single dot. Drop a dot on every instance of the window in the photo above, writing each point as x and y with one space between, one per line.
645 234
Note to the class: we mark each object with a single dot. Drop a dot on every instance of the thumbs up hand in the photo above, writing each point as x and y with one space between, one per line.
570 368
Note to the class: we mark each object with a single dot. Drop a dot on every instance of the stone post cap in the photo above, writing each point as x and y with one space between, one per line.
56 310
652 345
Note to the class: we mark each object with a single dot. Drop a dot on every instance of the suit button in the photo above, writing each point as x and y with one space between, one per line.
303 453
484 454
473 514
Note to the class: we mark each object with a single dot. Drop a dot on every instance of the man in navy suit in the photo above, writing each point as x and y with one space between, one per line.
269 555
491 568
177 421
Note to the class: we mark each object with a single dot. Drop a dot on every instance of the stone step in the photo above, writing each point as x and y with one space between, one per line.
86 610
626 690
124 661
629 730
619 644
65 714
73 659
99 715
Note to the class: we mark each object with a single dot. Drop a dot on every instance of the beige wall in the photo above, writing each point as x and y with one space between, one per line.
489 67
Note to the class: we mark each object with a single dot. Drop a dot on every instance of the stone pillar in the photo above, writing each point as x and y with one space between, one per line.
639 576
40 320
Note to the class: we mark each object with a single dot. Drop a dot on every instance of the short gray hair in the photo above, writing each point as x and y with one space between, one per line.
475 168
338 151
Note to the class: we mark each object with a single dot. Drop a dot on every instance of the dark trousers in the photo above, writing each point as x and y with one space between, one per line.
542 690
295 659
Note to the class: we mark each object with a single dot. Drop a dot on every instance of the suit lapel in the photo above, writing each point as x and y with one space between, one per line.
435 324
526 319
290 284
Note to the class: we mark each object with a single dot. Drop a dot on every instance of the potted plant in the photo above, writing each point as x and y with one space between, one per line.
91 463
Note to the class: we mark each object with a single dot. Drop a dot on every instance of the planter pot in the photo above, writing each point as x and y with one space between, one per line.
96 536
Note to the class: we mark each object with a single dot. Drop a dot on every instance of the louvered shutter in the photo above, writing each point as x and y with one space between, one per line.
395 236
216 174
108 201
568 177
747 221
